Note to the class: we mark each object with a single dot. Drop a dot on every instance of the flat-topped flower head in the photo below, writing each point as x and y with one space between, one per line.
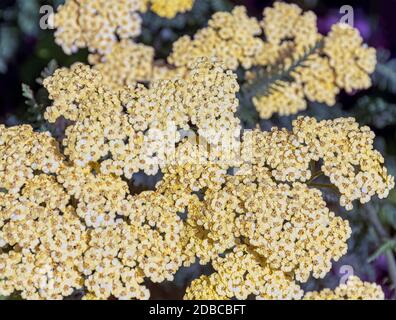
100 24
240 274
24 152
230 37
132 129
126 64
96 24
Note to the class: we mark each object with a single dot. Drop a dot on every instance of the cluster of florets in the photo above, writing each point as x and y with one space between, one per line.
96 24
270 206
349 160
23 153
134 128
344 149
231 37
64 228
288 231
297 62
245 202
126 64
242 273
72 219
314 67
99 24
353 289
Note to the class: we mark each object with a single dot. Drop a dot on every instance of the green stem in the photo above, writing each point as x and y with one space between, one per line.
323 185
315 176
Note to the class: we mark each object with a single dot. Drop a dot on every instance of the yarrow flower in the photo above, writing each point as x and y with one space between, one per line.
73 219
126 64
67 227
240 274
231 37
287 60
97 24
246 202
129 129
301 63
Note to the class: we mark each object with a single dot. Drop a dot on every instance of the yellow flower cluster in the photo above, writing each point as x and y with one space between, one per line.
281 232
242 273
298 62
269 206
204 288
170 8
349 160
43 236
99 24
351 60
292 228
69 221
353 289
304 64
286 23
346 150
46 247
240 282
134 128
231 37
288 227
64 228
22 153
96 24
125 65
100 197
147 246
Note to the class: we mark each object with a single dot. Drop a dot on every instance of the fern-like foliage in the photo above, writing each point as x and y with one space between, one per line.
384 76
375 111
39 101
